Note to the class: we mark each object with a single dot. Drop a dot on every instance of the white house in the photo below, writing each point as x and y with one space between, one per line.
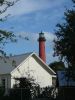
25 65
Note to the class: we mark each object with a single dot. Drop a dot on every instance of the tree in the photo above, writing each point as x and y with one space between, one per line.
65 42
5 36
24 89
6 4
57 66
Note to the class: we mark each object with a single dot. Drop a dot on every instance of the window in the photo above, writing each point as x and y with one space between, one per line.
3 83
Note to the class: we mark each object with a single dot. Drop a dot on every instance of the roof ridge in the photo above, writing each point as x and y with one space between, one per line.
20 54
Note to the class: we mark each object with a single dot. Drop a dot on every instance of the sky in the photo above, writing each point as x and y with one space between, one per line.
27 18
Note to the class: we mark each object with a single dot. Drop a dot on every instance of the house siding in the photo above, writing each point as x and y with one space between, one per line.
32 68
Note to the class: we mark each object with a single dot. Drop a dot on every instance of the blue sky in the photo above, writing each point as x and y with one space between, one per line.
27 18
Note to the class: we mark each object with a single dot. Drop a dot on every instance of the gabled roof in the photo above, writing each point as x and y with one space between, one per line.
45 66
8 65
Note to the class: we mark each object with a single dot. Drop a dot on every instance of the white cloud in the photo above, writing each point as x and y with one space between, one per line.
27 6
50 57
28 36
49 36
34 36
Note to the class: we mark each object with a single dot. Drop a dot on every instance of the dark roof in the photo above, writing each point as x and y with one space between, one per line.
7 64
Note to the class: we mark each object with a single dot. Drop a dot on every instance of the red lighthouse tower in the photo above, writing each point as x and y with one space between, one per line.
42 40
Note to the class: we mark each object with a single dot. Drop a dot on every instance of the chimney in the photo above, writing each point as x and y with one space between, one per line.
42 40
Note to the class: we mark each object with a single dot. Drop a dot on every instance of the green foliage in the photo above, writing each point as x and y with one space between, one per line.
57 66
23 82
73 1
65 42
1 2
7 4
5 36
23 89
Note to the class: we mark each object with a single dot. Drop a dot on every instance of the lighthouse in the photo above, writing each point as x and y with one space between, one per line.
41 41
